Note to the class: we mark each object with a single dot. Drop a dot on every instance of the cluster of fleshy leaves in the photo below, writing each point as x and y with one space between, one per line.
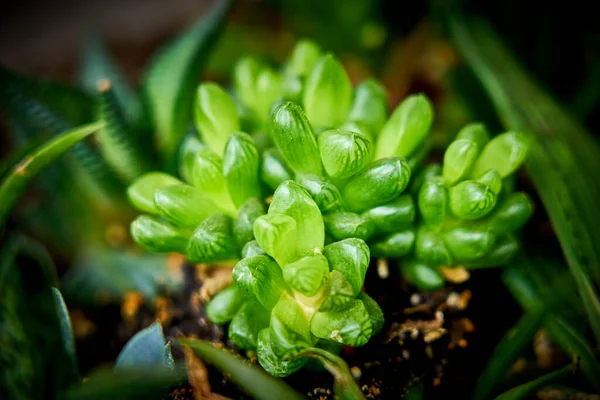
340 167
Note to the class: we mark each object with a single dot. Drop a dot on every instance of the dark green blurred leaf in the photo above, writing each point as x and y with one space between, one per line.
523 390
169 84
16 182
248 377
36 364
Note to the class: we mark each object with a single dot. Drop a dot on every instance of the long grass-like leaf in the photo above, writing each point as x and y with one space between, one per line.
249 378
523 390
16 182
169 84
563 156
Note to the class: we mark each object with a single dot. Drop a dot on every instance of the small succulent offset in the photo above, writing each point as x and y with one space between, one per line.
292 292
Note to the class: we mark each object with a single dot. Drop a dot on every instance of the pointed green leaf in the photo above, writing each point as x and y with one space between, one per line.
338 294
169 82
459 158
213 241
215 115
351 258
295 139
431 248
68 339
468 244
260 277
406 129
147 348
247 323
475 132
291 199
379 183
493 180
521 391
225 305
274 170
471 200
240 168
16 182
324 192
289 329
343 225
277 235
184 205
433 202
245 76
392 216
141 192
303 58
268 88
252 248
394 245
158 236
327 96
273 364
370 106
344 153
250 378
350 326
423 276
307 274
505 153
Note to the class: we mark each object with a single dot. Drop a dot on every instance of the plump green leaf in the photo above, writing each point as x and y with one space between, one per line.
392 216
428 172
505 153
394 245
15 183
261 278
158 236
303 58
247 323
215 115
344 385
338 294
375 312
505 248
277 235
141 192
370 106
343 225
274 170
324 193
459 157
468 244
471 200
380 182
225 305
251 379
406 129
351 258
493 180
268 91
475 132
213 241
295 139
291 199
350 325
240 167
506 352
431 248
184 205
169 82
327 96
511 214
289 328
307 274
243 224
190 147
252 248
245 75
119 143
344 153
433 202
27 298
422 275
146 349
273 364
